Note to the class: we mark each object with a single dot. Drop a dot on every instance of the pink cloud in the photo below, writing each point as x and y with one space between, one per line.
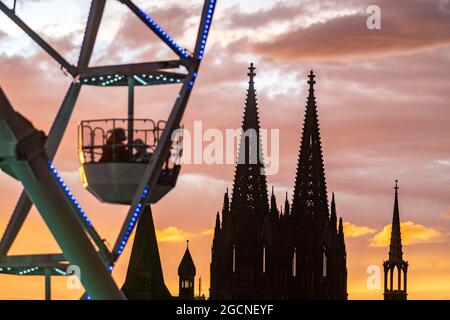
407 26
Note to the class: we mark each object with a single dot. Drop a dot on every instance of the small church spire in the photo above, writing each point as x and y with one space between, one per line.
286 205
395 248
186 274
395 289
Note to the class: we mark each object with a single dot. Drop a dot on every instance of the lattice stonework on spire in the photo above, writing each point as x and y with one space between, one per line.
250 185
310 191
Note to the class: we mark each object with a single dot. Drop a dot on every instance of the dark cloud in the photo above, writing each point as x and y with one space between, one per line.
407 25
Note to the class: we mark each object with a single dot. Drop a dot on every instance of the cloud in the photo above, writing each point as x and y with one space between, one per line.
134 41
407 26
353 231
445 215
412 233
261 18
173 234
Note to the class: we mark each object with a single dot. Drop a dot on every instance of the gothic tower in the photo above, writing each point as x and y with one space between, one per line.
310 201
243 252
317 250
395 287
186 274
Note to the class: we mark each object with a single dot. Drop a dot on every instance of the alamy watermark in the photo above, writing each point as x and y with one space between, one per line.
373 281
373 22
214 146
74 280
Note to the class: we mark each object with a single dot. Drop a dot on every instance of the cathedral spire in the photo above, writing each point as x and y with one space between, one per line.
395 248
310 191
311 83
286 205
226 202
250 185
333 215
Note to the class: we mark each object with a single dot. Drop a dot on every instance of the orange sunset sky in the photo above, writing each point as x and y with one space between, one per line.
384 109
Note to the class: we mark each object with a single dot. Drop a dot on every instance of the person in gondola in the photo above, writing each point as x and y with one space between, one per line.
115 150
141 154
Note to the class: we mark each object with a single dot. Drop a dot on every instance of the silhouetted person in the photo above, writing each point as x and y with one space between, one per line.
115 150
141 154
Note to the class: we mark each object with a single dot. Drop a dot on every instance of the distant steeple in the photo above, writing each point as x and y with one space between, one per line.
395 247
273 203
286 205
186 273
395 289
310 191
250 186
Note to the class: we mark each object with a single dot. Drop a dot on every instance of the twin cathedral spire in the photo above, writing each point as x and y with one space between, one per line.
260 252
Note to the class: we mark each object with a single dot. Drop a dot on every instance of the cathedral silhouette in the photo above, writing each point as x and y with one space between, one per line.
259 252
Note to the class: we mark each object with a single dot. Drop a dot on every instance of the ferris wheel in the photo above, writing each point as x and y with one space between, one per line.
123 160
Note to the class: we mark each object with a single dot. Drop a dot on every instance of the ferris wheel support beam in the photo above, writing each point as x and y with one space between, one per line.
153 170
61 121
41 42
24 157
92 26
55 135
130 69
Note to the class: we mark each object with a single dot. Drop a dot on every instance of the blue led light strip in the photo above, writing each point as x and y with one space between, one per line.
60 271
206 27
140 80
133 221
163 34
191 83
28 271
112 80
69 193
